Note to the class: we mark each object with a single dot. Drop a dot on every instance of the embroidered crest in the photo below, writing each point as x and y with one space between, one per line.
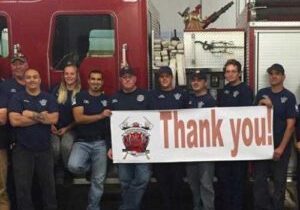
161 96
43 102
226 92
13 90
200 104
104 102
114 101
236 93
283 99
177 96
140 98
85 101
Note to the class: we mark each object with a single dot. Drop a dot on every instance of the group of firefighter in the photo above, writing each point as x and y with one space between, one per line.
51 136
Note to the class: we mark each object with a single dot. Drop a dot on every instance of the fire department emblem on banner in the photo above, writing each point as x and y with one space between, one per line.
136 137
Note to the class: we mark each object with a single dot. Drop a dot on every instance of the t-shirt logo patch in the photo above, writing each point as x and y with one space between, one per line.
43 102
13 90
297 108
86 101
283 99
114 101
200 104
161 96
235 93
226 92
140 98
104 102
73 100
26 101
177 96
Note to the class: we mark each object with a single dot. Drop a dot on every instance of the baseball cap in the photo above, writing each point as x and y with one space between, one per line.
165 70
18 57
198 74
124 71
276 67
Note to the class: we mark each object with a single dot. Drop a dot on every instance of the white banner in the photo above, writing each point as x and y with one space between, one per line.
185 135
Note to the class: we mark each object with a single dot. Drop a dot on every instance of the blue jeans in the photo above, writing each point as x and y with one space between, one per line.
62 146
90 155
200 177
134 179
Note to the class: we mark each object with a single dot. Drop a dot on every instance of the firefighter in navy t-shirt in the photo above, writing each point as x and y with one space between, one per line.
200 175
4 201
31 113
297 145
10 87
134 177
169 175
284 108
93 133
232 175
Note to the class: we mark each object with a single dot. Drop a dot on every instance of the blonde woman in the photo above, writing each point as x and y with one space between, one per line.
62 133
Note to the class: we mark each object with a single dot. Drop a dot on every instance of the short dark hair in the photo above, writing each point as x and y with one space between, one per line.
233 62
95 71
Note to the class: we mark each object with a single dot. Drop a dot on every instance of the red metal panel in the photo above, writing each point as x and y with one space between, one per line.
31 25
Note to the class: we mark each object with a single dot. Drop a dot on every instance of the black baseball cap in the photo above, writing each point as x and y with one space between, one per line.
199 75
165 70
276 67
18 57
124 71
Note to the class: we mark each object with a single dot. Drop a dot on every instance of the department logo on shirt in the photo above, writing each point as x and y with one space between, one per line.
177 96
104 102
140 98
26 101
13 90
114 101
226 92
236 93
43 102
73 100
85 101
200 104
283 99
161 96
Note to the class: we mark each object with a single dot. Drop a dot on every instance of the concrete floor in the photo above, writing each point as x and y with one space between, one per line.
74 197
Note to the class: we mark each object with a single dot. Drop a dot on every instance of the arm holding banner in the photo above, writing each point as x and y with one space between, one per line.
82 118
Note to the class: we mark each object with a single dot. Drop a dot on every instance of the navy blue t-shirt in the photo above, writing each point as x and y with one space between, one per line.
201 101
3 132
65 110
284 107
35 137
239 95
136 100
174 99
298 123
92 105
11 87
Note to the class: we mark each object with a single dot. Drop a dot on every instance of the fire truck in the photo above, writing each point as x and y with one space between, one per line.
98 34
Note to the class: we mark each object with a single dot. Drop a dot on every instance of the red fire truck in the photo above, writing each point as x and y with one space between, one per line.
91 33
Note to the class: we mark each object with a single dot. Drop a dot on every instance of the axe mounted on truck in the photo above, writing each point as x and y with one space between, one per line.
193 20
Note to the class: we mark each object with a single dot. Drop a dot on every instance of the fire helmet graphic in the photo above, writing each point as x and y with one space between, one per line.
136 137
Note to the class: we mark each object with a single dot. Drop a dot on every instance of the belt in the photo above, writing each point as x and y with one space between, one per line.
91 138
